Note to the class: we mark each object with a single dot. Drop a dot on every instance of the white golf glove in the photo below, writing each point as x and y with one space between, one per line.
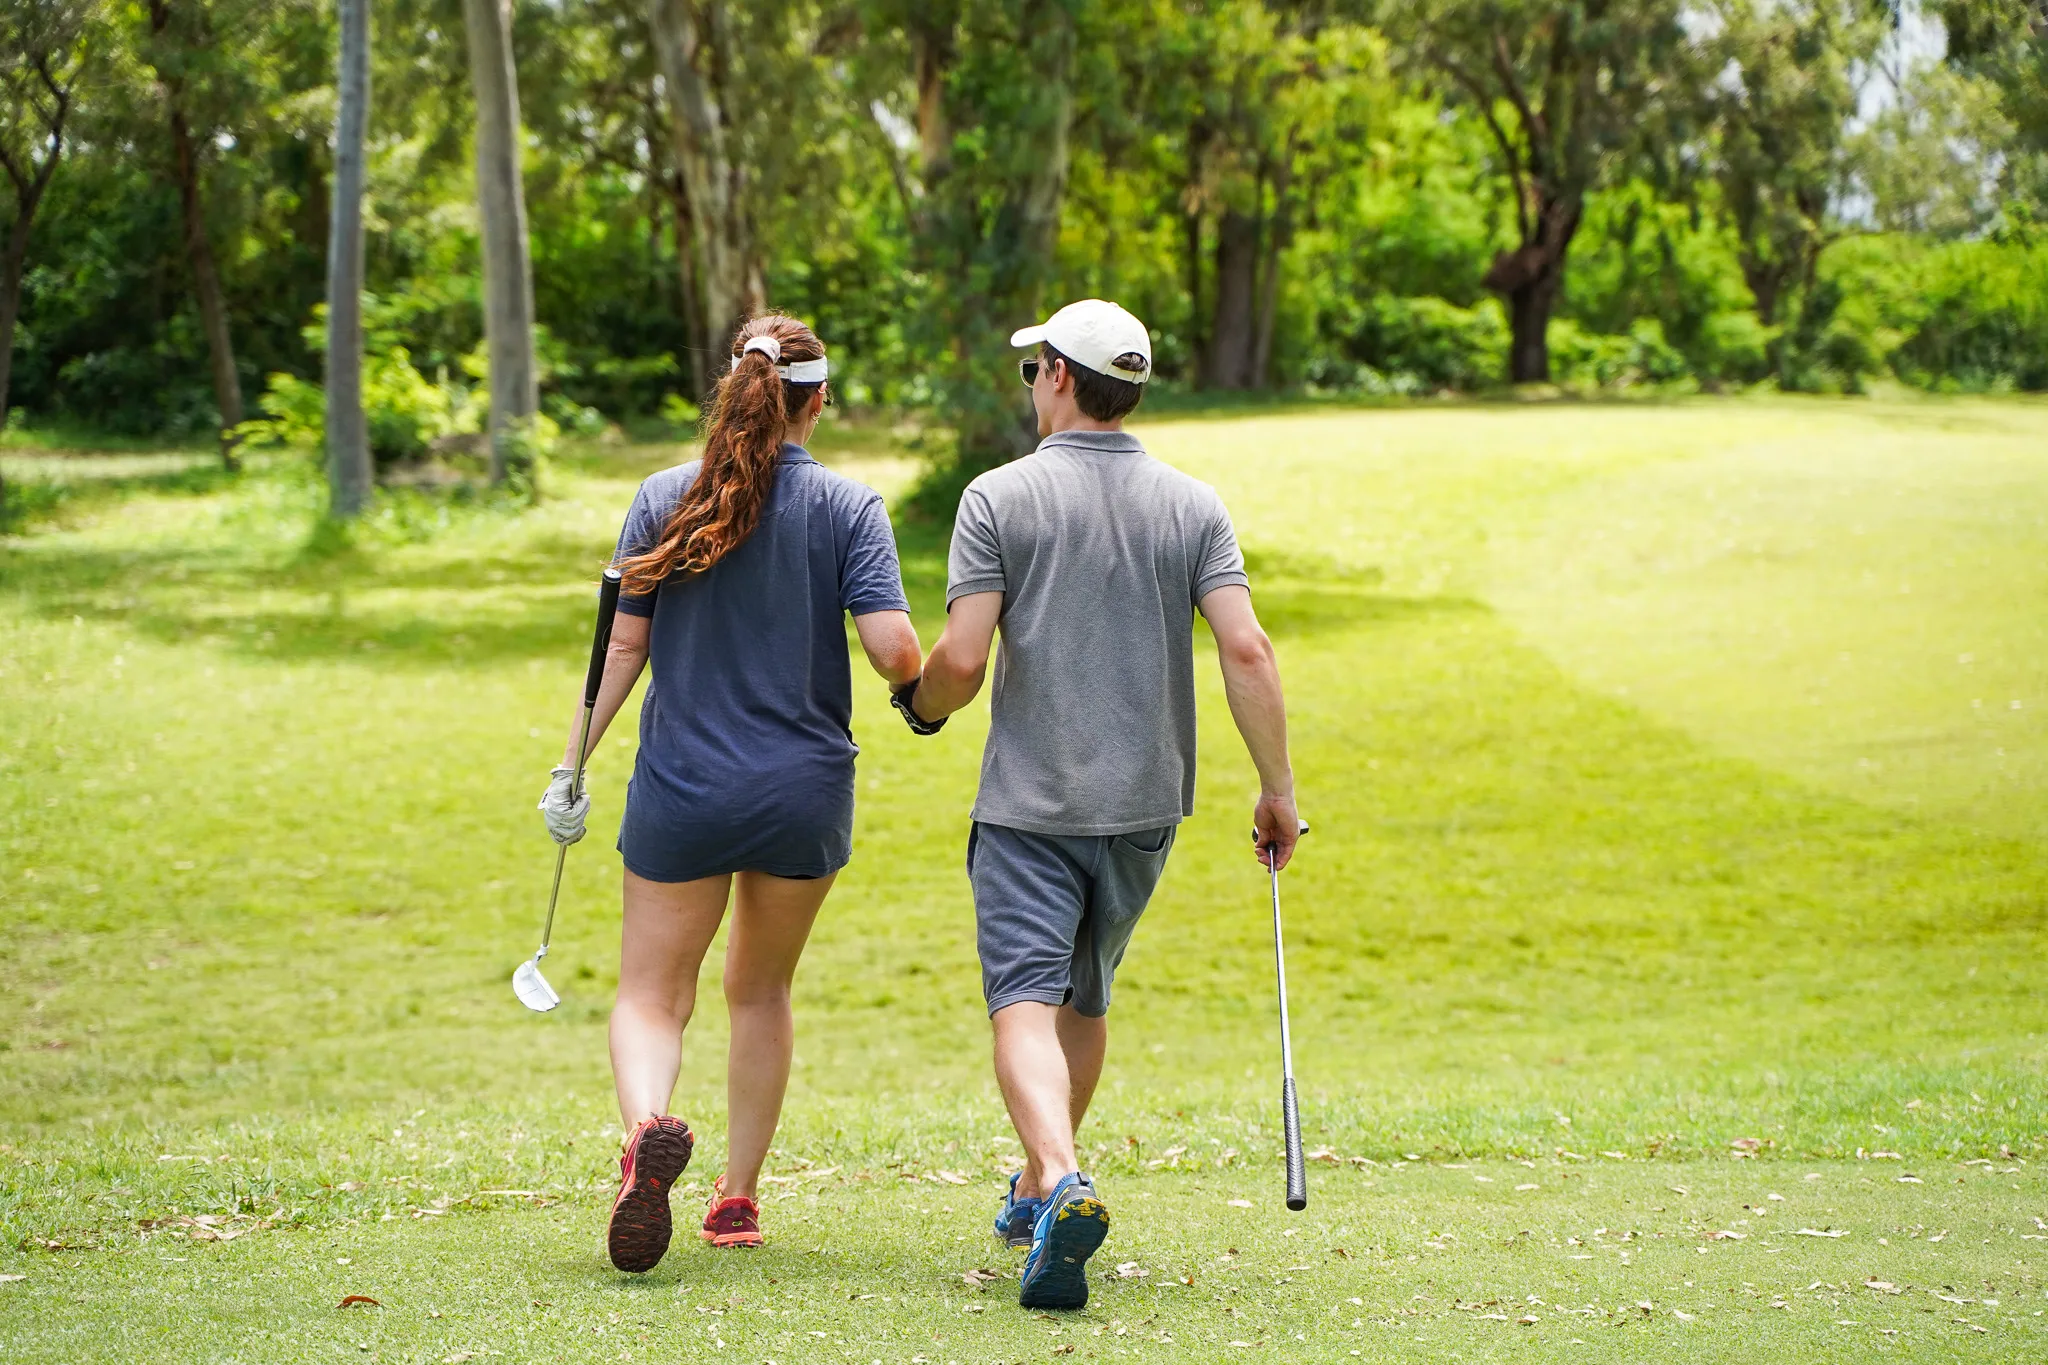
564 816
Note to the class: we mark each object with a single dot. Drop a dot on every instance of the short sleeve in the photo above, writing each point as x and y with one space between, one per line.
637 537
975 563
1222 563
870 579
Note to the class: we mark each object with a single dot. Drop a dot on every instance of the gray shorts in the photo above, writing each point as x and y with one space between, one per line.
1053 913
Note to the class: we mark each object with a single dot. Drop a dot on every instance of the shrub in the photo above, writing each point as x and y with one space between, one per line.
1428 343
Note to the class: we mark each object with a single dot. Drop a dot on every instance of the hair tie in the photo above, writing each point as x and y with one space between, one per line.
766 345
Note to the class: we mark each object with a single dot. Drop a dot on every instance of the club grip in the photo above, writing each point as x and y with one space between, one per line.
1297 1173
607 610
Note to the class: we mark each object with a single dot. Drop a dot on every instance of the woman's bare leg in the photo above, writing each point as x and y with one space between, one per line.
668 927
771 920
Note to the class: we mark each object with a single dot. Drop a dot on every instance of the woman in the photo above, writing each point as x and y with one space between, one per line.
739 569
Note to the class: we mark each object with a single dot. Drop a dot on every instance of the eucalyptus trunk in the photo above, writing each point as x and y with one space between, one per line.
349 472
695 45
501 207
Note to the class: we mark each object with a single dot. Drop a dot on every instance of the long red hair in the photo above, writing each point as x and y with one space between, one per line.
750 411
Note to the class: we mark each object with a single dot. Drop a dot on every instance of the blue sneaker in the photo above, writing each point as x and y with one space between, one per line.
1071 1225
1019 1216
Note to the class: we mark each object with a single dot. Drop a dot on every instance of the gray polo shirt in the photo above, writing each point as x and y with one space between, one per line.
1101 553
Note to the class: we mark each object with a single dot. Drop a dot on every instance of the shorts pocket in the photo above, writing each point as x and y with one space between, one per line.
1145 845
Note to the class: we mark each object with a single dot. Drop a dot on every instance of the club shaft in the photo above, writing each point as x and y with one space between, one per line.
547 929
600 644
1290 1107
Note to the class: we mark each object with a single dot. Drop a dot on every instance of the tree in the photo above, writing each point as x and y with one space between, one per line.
698 46
994 115
501 207
45 46
1265 102
180 38
1563 87
1781 109
348 442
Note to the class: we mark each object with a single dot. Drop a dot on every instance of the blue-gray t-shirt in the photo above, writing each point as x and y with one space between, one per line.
749 707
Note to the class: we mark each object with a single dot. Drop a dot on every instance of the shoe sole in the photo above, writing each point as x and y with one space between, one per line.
1062 1279
731 1239
640 1225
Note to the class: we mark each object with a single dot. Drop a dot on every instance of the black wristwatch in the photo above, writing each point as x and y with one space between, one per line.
899 697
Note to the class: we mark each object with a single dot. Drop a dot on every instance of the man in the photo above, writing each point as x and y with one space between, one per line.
1093 557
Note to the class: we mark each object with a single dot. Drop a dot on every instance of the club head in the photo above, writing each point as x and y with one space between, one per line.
533 989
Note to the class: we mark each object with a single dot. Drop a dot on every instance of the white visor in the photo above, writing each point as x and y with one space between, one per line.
797 371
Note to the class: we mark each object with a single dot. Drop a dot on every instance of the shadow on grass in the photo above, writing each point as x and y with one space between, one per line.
31 498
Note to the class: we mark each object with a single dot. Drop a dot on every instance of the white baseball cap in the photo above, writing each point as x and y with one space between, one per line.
1094 332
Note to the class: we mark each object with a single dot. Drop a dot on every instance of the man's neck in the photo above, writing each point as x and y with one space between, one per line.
1081 421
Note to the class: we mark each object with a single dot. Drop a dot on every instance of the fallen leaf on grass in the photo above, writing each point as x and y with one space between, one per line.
1910 1180
981 1277
359 1298
1681 1315
1726 1235
1065 1350
1529 1321
1817 1232
1884 1286
1131 1270
1325 1154
1238 1203
11 1279
951 1177
970 1308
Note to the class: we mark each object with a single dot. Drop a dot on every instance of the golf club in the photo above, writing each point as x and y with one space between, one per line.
528 984
1290 1111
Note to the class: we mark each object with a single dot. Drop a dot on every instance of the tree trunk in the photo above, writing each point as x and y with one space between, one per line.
213 311
501 209
11 265
348 447
703 373
1231 333
10 308
1279 236
693 43
1529 277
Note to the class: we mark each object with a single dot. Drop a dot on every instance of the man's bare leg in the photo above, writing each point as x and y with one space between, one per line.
1031 1068
1085 1042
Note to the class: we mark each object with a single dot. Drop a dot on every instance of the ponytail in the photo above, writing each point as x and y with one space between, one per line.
750 411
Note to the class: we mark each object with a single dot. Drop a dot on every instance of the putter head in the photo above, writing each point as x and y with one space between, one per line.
532 988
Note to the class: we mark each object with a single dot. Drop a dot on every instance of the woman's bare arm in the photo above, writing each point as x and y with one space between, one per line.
891 645
623 662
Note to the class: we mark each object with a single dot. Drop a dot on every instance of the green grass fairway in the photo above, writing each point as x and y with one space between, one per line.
1654 826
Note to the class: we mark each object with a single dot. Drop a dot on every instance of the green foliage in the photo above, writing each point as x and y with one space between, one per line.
406 412
1967 316
1421 345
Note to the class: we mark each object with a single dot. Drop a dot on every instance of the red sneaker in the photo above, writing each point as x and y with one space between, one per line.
640 1228
734 1222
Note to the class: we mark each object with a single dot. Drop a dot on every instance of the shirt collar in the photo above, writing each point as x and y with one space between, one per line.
792 453
1103 442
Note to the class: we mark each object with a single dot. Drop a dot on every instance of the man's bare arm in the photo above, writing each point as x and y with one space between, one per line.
958 664
1251 681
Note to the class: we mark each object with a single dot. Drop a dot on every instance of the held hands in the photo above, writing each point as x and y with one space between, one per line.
563 815
1276 825
900 698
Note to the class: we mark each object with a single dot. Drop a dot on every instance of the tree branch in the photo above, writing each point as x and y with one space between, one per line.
1483 98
